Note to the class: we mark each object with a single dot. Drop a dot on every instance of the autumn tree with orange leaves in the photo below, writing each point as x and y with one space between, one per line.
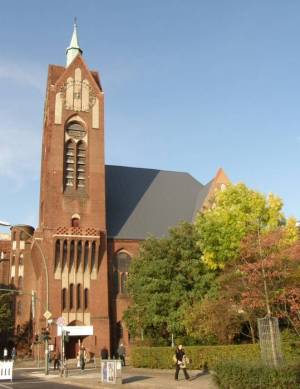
257 250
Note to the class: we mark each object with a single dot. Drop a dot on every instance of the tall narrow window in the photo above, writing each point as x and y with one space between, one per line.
93 255
78 296
86 298
20 282
123 283
71 297
86 255
79 254
69 164
57 253
72 253
65 253
13 260
21 260
80 165
64 299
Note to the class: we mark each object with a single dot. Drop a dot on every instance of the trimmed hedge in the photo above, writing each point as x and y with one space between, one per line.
200 356
237 375
203 356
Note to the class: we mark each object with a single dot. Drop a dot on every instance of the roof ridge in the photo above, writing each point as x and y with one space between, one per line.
148 168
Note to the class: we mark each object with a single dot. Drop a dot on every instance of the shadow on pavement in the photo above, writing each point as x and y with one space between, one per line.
200 374
129 380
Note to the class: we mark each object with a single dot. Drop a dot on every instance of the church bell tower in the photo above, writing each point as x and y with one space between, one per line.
72 222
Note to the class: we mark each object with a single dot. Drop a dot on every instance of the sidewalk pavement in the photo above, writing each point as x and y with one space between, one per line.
133 378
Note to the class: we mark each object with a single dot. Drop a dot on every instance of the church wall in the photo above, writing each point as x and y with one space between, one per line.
119 302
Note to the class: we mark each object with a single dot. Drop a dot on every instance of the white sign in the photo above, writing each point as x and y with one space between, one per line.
76 330
6 370
111 371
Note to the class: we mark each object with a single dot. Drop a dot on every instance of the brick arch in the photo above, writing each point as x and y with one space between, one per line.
123 250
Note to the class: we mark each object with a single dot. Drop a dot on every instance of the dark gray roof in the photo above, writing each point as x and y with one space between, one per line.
142 202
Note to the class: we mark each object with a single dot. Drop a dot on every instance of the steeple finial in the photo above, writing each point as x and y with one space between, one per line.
73 50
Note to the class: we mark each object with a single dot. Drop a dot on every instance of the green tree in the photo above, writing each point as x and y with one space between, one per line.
6 318
235 213
165 278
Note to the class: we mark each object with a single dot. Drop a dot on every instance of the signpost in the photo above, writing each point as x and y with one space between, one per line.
61 332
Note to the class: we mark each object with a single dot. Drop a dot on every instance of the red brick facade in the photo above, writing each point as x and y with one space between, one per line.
70 265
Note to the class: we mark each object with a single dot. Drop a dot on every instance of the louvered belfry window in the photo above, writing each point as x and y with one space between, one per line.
69 164
80 165
75 157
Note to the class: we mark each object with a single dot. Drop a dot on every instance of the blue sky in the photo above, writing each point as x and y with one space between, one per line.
189 85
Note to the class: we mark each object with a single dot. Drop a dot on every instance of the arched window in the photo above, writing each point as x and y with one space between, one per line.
116 281
20 282
13 260
80 165
86 298
21 260
86 254
69 164
78 296
12 280
57 253
123 283
93 255
72 253
64 299
71 297
65 253
79 254
75 130
122 261
75 222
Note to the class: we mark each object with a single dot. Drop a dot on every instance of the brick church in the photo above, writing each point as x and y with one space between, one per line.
92 217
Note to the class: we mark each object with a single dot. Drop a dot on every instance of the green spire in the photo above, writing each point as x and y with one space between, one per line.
73 50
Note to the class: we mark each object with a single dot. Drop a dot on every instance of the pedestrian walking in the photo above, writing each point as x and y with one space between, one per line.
56 360
82 358
13 354
122 353
181 361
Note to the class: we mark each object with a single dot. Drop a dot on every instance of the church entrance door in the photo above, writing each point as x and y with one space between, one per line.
72 347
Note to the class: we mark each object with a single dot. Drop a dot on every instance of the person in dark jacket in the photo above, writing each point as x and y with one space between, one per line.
104 353
56 359
181 361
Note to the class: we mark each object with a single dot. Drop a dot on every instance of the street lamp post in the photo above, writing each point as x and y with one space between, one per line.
6 224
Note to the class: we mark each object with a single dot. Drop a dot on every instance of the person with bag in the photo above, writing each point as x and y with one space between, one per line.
56 359
181 361
82 358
